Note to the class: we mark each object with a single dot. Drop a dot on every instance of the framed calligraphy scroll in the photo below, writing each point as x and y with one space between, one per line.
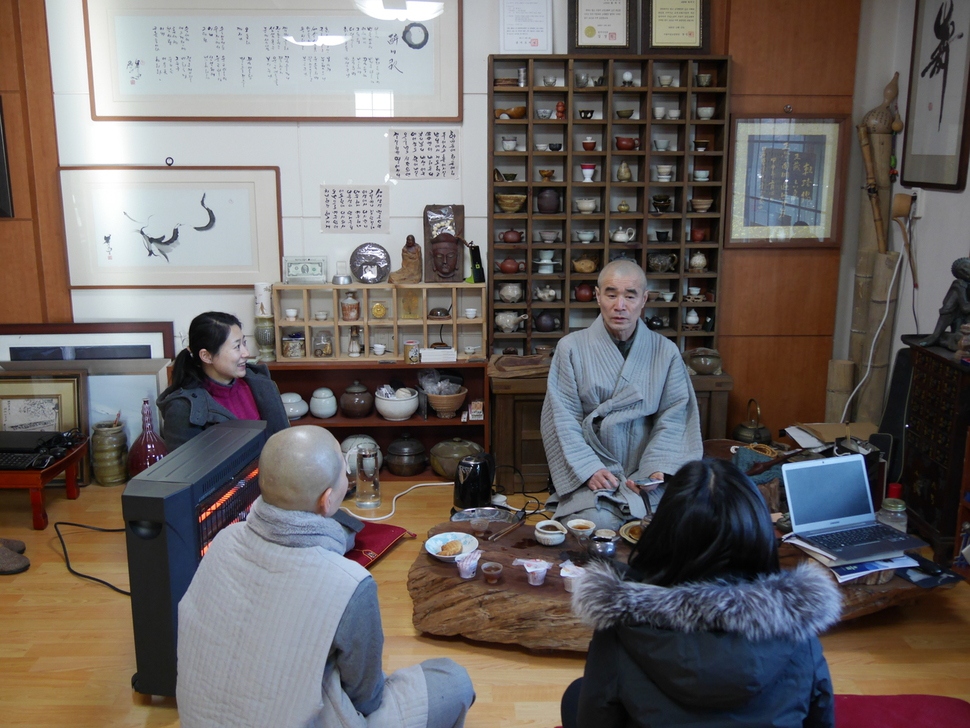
298 59
172 227
937 142
787 176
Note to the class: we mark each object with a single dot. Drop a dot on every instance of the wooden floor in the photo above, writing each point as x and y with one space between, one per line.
66 653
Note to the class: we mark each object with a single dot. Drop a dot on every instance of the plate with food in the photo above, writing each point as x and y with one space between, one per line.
451 545
631 532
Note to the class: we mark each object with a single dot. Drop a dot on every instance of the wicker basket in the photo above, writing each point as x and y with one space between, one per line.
446 405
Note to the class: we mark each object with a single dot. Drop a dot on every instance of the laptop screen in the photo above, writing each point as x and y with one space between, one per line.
827 493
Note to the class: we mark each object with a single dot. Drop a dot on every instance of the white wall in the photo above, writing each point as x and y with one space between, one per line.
308 154
941 236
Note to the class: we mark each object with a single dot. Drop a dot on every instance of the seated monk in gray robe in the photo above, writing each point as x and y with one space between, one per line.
619 408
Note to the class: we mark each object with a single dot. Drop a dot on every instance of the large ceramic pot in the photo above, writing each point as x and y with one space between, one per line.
323 404
356 401
547 202
510 292
446 455
406 456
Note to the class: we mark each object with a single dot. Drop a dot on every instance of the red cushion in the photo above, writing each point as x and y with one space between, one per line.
900 711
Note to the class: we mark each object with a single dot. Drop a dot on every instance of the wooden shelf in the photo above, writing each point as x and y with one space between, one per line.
637 192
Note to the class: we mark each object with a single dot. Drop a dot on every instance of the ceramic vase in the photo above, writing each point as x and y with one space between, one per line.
623 173
547 202
148 448
109 453
265 335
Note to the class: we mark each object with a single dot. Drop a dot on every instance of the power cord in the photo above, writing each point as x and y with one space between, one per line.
394 502
67 559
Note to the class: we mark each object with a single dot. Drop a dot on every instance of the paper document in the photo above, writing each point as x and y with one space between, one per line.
856 571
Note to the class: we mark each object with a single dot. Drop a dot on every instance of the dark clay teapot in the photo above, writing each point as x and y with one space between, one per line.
510 265
546 321
511 236
584 292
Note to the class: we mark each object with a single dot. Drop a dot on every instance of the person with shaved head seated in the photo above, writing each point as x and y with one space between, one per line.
278 629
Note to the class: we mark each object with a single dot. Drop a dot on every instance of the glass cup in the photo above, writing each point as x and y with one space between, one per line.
368 482
479 527
492 571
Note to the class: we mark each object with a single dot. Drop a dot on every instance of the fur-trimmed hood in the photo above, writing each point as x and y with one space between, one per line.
713 644
792 604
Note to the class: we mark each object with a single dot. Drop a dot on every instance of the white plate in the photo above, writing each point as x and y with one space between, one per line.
433 545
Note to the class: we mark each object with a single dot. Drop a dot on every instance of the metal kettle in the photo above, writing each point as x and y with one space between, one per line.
473 481
753 430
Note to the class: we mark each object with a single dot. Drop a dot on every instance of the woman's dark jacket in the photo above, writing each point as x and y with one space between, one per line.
188 410
721 653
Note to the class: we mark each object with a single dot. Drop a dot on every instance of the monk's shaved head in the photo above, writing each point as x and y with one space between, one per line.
622 267
297 465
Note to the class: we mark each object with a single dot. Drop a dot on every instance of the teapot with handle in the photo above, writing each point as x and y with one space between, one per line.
627 143
508 321
662 262
623 236
547 321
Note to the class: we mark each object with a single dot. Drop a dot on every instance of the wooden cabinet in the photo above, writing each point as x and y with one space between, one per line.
517 441
304 377
937 417
590 183
386 314
962 536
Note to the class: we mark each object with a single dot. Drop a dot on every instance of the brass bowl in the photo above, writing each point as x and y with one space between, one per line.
510 203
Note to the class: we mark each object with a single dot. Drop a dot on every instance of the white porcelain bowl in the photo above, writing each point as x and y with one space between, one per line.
705 112
548 236
586 205
397 409
433 545
581 528
550 533
674 113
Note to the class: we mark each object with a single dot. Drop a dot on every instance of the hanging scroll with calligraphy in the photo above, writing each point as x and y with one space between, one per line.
424 153
353 209
305 59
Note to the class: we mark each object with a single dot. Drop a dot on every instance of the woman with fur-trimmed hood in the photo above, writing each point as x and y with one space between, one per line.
705 628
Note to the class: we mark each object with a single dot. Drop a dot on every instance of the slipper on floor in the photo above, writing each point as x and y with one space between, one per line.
12 562
13 544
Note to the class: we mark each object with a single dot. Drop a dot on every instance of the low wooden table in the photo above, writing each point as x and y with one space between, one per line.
35 480
539 617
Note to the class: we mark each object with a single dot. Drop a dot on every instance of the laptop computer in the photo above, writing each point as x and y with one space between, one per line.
831 509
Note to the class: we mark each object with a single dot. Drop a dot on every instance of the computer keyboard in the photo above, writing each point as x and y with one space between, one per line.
17 460
858 536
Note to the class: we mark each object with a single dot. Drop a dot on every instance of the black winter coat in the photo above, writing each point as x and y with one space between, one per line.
724 653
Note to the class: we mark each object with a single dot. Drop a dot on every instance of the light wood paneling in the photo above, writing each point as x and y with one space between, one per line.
775 105
778 292
17 271
786 48
68 656
9 66
786 374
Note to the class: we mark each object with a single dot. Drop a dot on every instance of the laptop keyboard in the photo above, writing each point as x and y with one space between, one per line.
17 460
858 536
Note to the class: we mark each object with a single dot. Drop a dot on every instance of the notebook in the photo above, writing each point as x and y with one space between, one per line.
831 509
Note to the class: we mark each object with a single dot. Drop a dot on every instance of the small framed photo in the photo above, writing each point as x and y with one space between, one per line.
305 271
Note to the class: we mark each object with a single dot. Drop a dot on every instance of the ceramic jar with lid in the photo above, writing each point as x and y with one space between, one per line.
294 405
692 318
350 307
293 346
323 403
356 401
547 201
406 456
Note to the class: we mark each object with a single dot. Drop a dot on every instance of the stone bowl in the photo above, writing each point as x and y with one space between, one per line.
510 203
446 405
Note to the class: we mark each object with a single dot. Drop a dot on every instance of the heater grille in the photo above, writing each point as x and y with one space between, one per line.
227 505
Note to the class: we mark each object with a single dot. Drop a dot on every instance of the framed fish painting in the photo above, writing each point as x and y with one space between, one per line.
172 227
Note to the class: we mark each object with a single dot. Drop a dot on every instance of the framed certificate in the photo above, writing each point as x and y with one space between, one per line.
676 26
602 26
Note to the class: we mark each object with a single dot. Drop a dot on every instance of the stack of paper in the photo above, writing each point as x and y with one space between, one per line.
438 355
855 571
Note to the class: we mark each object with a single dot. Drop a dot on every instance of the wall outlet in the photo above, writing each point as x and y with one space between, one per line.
919 204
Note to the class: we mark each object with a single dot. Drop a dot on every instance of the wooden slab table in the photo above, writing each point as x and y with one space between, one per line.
539 617
35 480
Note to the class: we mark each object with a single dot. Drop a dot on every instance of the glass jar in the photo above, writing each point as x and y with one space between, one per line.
322 344
893 514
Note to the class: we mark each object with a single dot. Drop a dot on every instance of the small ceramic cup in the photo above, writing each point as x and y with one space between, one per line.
471 313
548 80
662 145
378 349
542 147
290 314
508 145
321 315
694 290
659 112
668 296
702 175
665 80
674 113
